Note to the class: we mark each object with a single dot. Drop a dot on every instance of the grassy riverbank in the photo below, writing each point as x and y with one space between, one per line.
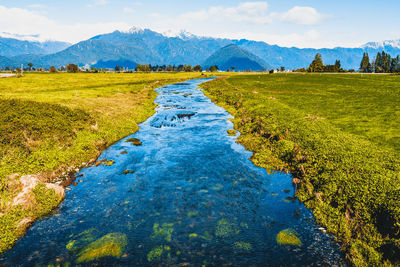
52 123
338 135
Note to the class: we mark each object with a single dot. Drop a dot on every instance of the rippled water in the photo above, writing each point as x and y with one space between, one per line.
188 195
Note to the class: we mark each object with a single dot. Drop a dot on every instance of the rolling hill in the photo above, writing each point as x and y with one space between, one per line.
234 56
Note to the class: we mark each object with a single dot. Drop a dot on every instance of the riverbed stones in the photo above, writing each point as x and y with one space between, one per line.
134 141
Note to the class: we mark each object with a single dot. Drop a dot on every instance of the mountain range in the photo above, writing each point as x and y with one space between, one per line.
145 46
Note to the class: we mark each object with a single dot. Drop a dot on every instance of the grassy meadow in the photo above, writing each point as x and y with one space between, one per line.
338 134
52 123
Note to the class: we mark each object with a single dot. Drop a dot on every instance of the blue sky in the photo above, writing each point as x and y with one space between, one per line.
306 23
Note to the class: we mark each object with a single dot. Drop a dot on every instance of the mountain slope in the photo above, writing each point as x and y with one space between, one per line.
10 47
234 56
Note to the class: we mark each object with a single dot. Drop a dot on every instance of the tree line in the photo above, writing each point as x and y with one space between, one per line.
317 65
383 63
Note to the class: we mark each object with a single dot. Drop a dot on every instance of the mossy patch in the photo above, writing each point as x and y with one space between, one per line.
193 235
242 246
288 237
156 253
163 232
207 236
225 228
192 214
111 245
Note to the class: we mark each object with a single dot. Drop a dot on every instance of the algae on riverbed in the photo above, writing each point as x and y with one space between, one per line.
109 245
288 237
163 232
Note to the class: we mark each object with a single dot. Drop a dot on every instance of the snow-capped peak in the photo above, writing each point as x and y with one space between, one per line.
377 45
31 38
186 35
183 34
135 30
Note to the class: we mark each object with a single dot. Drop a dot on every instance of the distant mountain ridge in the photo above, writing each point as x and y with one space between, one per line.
10 47
145 46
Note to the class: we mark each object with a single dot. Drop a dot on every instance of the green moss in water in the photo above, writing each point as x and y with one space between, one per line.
193 235
288 237
163 232
81 240
225 229
111 245
156 253
71 244
244 225
242 246
192 214
207 236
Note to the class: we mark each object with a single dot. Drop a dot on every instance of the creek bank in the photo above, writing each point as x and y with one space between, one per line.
349 183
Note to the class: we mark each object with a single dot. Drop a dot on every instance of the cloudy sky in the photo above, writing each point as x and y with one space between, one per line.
301 23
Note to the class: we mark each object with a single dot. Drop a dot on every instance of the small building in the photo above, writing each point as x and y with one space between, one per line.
274 71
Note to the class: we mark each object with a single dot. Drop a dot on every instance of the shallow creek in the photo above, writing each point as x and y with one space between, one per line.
185 193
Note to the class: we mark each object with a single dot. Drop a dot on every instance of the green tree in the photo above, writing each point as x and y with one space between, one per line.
317 65
395 65
53 69
365 65
214 68
30 65
198 68
338 66
72 68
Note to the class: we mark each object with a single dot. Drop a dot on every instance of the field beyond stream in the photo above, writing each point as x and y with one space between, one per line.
339 136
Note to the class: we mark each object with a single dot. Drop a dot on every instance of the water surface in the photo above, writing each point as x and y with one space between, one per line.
188 195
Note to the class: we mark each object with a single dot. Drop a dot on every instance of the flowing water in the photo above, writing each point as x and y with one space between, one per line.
189 195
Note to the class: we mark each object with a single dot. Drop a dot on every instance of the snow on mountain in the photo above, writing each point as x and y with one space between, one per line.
383 44
136 30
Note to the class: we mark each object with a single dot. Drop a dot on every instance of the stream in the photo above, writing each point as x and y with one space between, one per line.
179 192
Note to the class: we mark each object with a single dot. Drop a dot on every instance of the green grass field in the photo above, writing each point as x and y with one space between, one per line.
339 135
52 122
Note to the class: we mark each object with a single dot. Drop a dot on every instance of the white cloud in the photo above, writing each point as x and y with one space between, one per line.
37 6
26 22
128 10
302 15
252 12
101 2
